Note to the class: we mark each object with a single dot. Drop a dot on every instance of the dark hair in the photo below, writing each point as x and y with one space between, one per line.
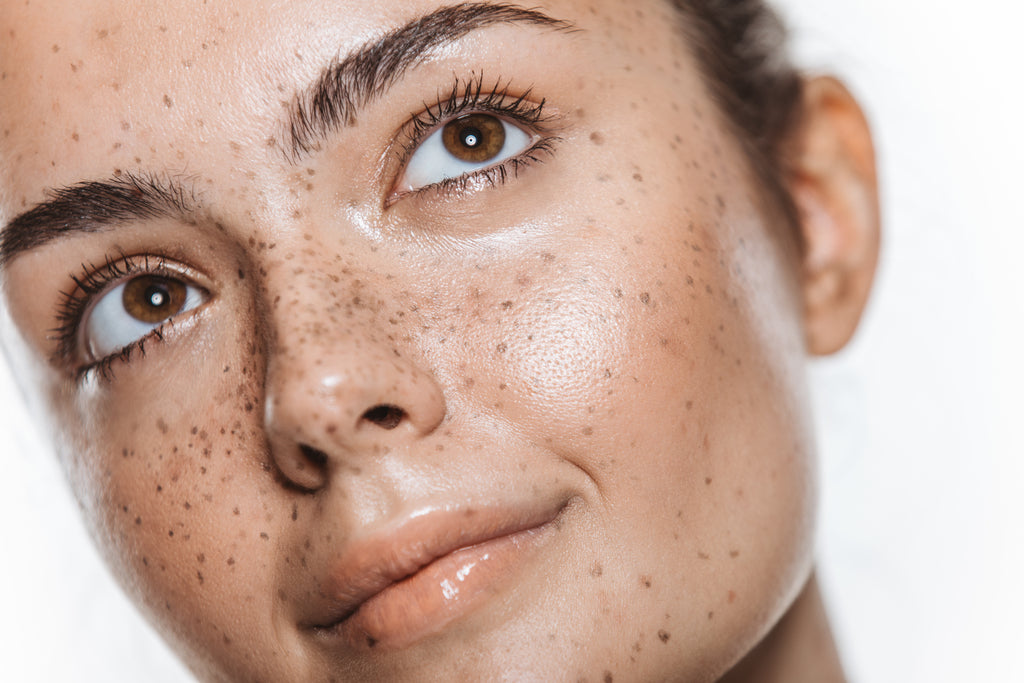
740 47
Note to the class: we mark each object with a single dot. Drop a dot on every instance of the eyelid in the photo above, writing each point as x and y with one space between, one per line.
96 281
469 96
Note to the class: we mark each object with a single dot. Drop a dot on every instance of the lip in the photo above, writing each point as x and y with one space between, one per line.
391 590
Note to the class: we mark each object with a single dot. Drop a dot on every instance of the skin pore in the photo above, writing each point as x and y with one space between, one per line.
587 356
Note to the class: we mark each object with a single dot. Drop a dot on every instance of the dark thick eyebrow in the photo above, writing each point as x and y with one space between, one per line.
93 206
343 87
349 83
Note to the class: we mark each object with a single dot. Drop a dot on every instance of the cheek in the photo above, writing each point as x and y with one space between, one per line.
663 359
181 499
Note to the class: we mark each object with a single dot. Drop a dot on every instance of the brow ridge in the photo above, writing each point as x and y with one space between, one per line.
350 83
332 102
95 205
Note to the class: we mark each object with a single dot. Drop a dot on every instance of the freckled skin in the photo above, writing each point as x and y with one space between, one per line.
621 322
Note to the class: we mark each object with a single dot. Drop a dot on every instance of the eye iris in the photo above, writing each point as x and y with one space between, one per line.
152 299
474 138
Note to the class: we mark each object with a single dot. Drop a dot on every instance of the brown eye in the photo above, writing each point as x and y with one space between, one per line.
474 138
153 299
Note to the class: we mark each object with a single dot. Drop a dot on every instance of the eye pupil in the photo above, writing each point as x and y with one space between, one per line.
475 138
153 299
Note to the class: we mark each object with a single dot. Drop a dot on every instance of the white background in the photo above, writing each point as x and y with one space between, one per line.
921 548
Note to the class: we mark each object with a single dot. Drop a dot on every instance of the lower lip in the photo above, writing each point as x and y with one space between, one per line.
447 589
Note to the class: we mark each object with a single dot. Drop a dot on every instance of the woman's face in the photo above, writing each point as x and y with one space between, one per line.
545 420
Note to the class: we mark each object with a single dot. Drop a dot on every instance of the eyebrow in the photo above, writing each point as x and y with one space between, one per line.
348 84
93 206
331 103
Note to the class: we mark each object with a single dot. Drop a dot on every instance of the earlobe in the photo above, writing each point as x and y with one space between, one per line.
834 185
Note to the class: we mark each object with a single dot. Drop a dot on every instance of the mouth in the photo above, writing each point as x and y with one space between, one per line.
390 591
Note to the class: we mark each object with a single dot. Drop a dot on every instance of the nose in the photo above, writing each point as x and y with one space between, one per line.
337 392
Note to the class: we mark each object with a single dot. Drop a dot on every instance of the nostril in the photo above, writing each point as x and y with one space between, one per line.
316 457
385 416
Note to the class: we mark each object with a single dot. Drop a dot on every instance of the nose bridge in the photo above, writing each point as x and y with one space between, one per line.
341 378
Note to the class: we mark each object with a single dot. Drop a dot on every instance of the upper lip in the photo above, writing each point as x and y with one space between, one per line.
368 566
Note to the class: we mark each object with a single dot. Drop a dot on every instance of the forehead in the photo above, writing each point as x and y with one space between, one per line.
101 84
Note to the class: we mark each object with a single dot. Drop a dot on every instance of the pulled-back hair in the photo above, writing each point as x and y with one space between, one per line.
740 47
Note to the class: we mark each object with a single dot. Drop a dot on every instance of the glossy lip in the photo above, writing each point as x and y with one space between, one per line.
391 590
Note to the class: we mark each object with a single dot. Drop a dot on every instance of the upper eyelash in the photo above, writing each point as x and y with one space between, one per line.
92 281
465 96
470 95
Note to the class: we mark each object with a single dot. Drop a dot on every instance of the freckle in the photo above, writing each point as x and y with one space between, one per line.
707 480
264 535
703 556
711 615
295 512
231 561
235 511
597 138
637 177
102 33
596 570
645 581
734 554
55 48
168 102
587 431
664 636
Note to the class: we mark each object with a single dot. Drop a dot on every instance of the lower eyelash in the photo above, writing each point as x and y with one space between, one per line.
92 281
470 96
493 175
104 367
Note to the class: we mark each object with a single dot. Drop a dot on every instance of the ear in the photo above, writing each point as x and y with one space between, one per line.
834 185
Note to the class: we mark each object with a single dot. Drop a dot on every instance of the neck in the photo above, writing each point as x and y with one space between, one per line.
799 649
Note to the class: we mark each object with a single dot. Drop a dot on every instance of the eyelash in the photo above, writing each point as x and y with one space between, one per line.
469 96
466 96
73 305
